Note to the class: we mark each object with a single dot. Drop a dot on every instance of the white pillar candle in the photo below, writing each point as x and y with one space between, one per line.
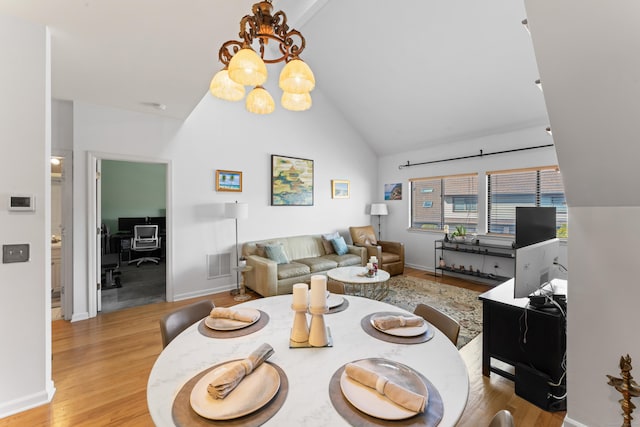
318 291
300 293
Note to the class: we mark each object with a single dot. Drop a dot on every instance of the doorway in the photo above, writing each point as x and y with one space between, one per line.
126 191
61 234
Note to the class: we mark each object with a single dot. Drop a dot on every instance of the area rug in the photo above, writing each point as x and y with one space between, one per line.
460 303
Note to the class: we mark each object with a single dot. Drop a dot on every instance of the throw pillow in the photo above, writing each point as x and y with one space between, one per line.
326 242
276 253
340 246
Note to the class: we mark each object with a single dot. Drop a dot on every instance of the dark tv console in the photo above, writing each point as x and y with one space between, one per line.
530 341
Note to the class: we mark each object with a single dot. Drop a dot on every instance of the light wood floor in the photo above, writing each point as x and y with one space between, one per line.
101 366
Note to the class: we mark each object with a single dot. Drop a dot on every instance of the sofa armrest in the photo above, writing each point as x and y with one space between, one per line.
371 251
393 247
264 277
360 251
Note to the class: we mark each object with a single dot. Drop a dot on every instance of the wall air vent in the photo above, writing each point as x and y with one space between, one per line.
218 265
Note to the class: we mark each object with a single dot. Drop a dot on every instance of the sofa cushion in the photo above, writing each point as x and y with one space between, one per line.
326 242
299 247
344 260
293 269
319 263
340 245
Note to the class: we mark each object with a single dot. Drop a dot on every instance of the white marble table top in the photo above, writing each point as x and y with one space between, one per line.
308 370
354 275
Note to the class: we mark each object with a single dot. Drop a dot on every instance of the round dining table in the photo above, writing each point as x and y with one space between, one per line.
308 370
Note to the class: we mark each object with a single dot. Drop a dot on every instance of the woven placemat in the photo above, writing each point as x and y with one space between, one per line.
212 333
369 329
338 308
430 418
184 416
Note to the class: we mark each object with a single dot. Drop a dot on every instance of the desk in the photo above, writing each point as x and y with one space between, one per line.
505 320
308 370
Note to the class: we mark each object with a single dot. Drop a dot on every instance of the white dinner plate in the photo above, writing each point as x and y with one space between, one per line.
407 331
334 300
254 391
222 324
371 402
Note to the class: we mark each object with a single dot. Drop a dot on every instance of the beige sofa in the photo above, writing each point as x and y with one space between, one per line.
307 256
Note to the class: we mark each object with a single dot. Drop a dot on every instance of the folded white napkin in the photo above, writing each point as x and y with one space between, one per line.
397 394
391 322
230 313
223 384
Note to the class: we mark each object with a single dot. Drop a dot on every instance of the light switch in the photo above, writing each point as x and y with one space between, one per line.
15 253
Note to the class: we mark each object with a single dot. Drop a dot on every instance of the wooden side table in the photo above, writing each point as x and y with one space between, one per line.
242 295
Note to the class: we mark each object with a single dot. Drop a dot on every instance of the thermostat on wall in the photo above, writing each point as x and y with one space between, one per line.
20 202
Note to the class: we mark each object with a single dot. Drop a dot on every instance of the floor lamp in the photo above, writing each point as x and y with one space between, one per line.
236 211
379 209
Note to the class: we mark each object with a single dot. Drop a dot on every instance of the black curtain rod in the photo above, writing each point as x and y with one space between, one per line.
482 154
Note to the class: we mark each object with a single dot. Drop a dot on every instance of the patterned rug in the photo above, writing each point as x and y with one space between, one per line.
461 304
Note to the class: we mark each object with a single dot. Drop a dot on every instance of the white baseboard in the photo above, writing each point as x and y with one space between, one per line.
27 402
75 317
189 295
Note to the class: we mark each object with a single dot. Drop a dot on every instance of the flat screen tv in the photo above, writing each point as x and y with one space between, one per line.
534 267
534 224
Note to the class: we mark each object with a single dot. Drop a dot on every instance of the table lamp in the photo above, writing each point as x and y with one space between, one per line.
236 211
379 209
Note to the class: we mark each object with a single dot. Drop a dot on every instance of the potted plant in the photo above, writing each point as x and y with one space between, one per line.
459 234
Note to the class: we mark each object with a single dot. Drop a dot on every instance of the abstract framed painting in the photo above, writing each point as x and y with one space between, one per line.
228 180
340 189
291 181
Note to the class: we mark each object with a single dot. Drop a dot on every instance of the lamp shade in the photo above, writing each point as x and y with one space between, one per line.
296 101
259 101
236 210
379 209
297 77
224 88
247 68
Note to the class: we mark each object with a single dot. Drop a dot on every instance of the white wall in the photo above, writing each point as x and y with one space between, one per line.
419 244
220 135
589 71
25 318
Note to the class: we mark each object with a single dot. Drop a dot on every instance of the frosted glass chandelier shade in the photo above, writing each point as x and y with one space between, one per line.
297 77
296 101
224 88
247 68
259 101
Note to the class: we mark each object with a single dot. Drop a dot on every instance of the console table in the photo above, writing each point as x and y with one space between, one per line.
468 252
530 340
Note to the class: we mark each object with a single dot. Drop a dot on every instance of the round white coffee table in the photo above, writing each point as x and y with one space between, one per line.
357 283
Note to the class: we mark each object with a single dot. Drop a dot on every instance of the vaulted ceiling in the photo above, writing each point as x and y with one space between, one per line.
405 74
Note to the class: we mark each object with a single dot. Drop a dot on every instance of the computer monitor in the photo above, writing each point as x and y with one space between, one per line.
126 224
160 221
534 267
534 224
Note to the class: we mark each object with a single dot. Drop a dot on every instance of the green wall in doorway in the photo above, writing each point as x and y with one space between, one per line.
132 189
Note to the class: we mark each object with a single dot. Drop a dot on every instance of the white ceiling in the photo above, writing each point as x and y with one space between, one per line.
405 74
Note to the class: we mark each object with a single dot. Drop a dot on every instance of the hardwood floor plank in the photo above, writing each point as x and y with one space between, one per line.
101 367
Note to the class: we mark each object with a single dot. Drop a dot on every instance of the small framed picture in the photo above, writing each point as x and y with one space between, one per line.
228 181
340 189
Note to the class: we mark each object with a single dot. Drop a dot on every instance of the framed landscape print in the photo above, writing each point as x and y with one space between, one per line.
340 189
291 181
228 180
393 191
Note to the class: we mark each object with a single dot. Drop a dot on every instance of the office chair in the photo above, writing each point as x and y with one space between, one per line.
445 323
145 239
502 418
175 322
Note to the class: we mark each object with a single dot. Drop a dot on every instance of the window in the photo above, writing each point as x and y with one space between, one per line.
451 200
526 187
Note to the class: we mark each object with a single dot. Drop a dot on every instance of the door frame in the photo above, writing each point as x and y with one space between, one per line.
92 225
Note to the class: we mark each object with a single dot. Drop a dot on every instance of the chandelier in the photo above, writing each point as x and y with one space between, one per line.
244 67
